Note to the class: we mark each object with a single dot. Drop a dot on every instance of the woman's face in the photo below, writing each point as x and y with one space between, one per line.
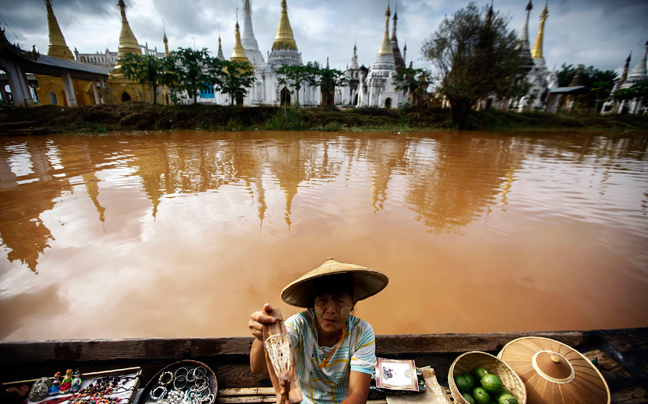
333 311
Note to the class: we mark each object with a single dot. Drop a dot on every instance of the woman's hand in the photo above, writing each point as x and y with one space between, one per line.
258 319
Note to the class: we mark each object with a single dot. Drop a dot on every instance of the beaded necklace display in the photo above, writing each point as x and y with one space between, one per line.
98 391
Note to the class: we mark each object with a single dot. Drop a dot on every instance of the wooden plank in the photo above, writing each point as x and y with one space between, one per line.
194 348
247 399
131 349
634 395
267 399
252 391
444 343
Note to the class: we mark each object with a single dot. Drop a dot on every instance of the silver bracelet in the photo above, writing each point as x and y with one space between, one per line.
181 372
200 372
180 382
161 380
155 396
201 384
208 399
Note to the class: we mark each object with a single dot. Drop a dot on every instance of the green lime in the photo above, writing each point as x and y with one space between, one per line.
507 399
470 380
481 396
491 383
462 384
504 391
479 373
469 398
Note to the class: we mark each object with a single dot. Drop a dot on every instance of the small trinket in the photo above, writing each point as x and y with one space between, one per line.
40 389
56 384
66 384
76 383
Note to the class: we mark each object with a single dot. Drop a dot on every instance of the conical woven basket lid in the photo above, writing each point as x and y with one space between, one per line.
555 373
367 282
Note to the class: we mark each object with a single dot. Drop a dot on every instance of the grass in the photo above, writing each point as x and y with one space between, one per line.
140 117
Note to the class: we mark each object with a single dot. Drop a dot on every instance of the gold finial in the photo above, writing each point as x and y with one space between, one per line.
284 39
385 46
127 41
536 52
57 45
238 54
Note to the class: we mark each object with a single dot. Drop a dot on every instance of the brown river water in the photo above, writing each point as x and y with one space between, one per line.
185 234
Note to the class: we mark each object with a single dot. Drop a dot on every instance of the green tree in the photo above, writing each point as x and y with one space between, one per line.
328 79
144 69
193 70
415 83
476 55
237 78
297 76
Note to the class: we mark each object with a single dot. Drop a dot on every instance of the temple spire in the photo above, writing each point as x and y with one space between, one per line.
284 39
639 73
249 41
354 60
385 58
166 41
536 53
524 34
624 75
238 53
127 41
57 45
398 58
385 46
220 56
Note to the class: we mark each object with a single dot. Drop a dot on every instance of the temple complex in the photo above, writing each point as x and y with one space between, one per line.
535 67
637 75
377 89
53 90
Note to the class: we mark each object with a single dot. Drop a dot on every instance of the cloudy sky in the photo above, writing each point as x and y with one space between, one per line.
592 32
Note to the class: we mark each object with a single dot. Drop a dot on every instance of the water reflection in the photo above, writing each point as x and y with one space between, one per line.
451 179
133 196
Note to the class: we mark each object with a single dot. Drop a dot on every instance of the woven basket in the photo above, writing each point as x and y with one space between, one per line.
469 361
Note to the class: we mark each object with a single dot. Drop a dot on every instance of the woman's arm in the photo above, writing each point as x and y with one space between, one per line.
358 388
257 354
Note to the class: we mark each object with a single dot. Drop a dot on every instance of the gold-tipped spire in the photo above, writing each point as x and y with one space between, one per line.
238 54
536 52
386 46
127 41
166 41
284 39
57 46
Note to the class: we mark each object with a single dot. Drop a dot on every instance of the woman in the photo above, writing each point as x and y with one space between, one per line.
335 350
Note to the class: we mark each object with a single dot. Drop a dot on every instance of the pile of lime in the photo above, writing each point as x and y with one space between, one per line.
482 387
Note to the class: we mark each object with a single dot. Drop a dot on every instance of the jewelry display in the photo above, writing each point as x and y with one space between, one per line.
185 385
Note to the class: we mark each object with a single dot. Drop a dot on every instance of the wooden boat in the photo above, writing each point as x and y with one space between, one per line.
621 356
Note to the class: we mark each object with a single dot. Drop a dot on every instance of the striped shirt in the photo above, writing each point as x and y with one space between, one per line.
327 382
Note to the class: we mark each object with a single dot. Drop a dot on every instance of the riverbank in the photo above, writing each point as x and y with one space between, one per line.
145 117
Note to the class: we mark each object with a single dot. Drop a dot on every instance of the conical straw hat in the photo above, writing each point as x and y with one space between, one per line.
555 373
367 282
